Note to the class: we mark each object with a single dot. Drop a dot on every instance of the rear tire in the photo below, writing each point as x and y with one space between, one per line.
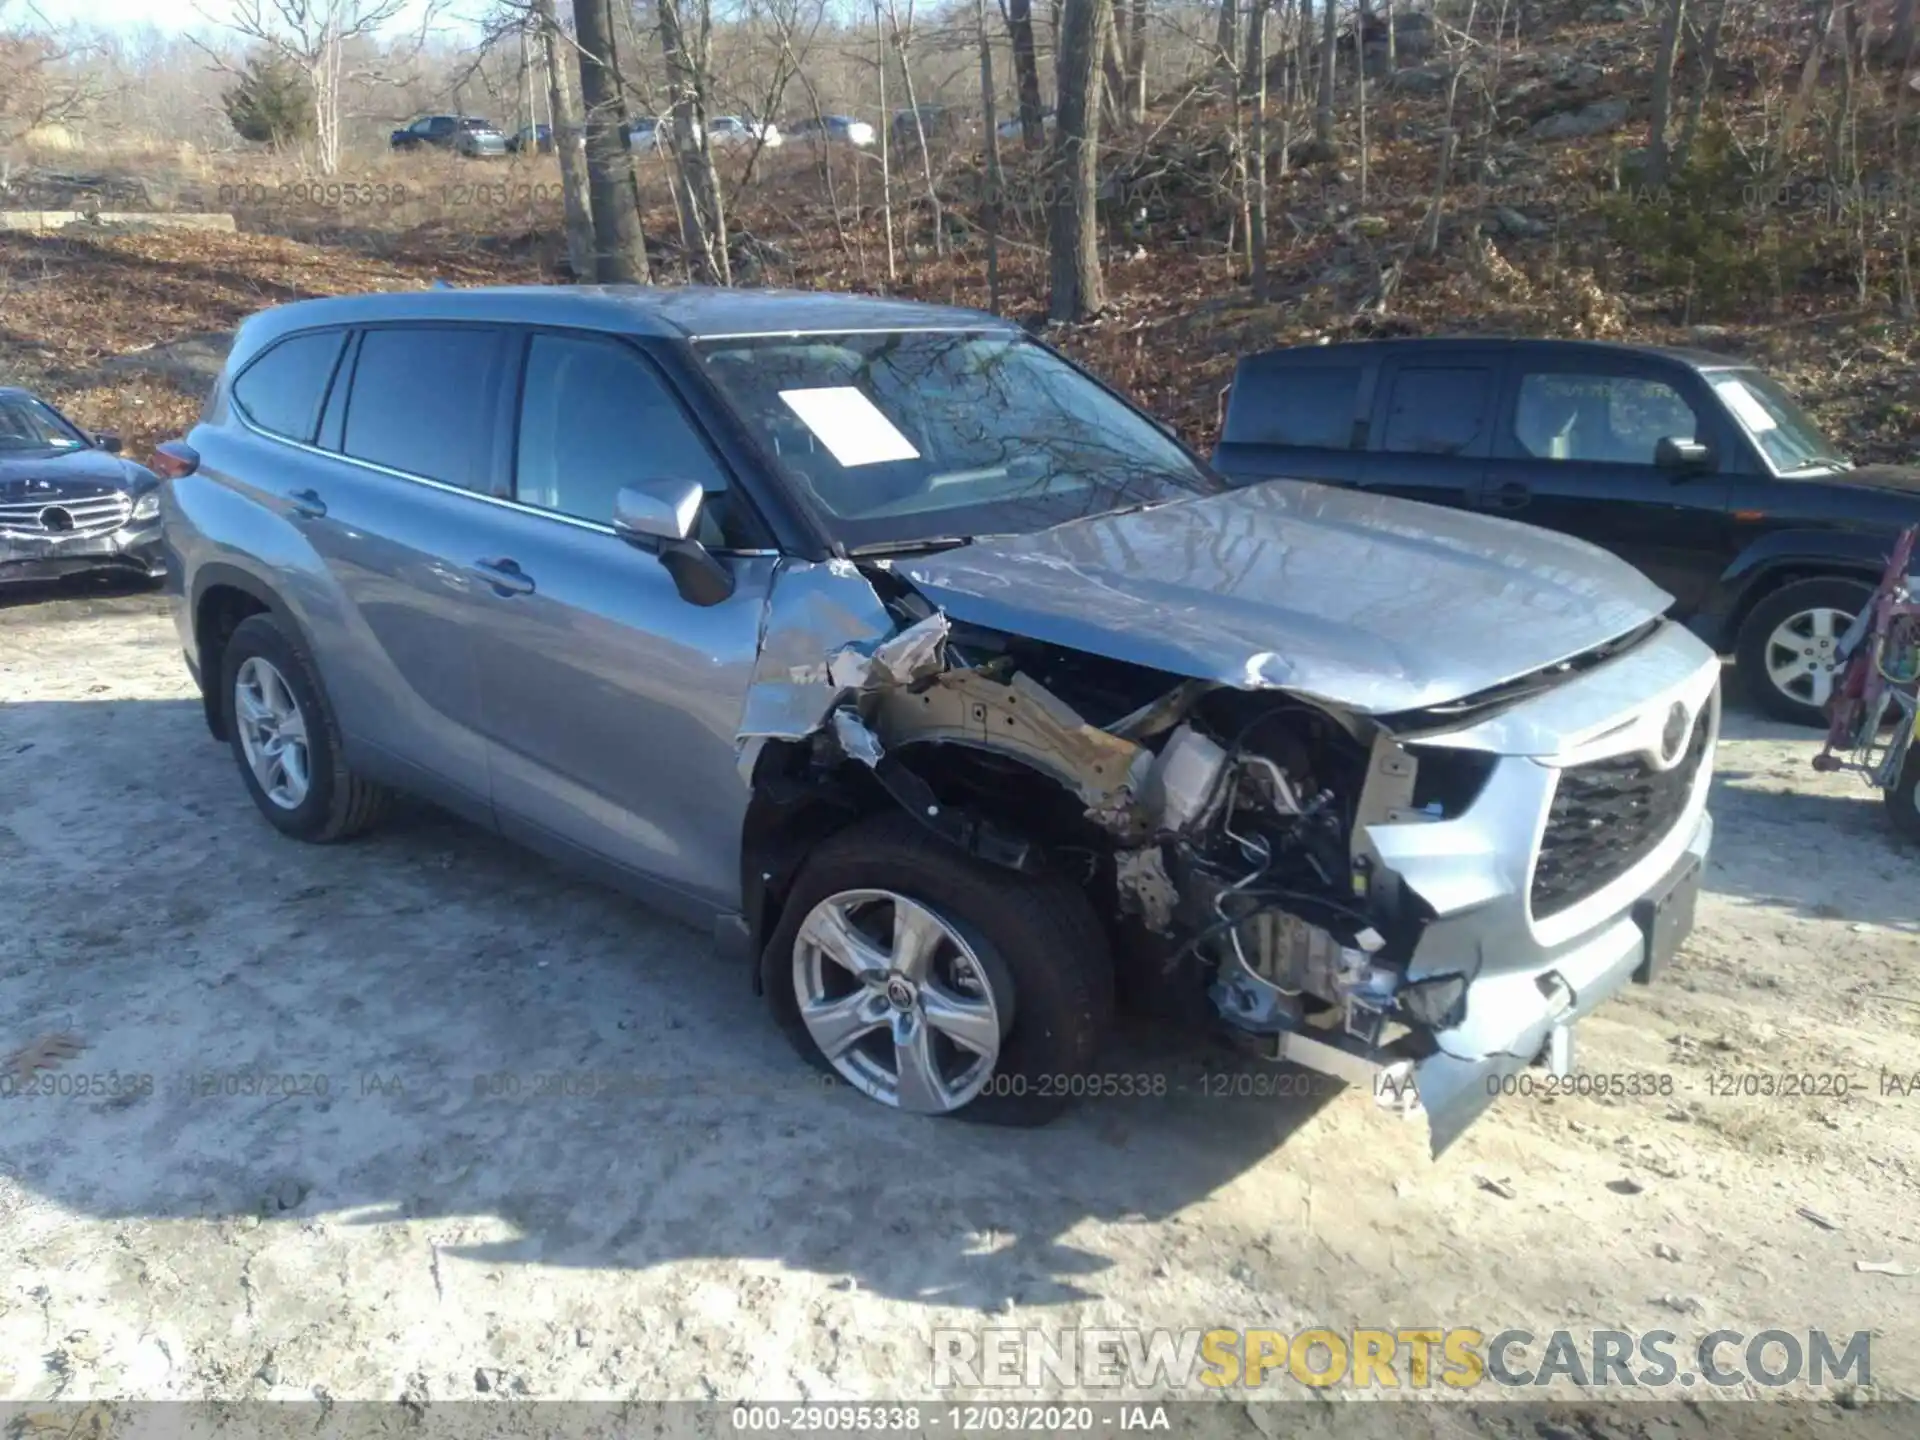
1787 652
1903 800
1029 949
302 786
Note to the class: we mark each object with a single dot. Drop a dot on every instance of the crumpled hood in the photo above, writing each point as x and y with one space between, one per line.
1370 602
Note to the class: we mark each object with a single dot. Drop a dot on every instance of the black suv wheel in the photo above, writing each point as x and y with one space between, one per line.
1788 649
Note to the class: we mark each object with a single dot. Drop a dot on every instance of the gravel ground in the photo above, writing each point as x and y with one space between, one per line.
439 1225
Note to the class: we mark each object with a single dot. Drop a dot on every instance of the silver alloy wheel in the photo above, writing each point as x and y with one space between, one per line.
1803 654
273 732
897 1000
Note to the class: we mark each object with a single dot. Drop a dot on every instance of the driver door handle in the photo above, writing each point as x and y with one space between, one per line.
307 504
505 576
1509 495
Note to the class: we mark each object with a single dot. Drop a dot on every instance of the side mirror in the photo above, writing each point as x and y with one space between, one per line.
107 441
1685 457
661 516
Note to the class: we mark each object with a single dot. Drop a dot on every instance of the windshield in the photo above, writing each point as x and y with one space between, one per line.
906 436
1785 433
29 424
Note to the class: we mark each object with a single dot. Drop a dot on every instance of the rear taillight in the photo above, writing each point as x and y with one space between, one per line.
175 459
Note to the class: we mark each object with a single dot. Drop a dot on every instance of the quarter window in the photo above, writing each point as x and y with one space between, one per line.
1436 411
1298 405
1609 419
421 400
281 391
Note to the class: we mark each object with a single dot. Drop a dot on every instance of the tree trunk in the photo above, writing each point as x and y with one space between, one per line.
569 147
619 249
1026 71
920 131
886 143
1903 33
1253 58
1226 38
1113 70
1360 89
1809 76
1323 114
1393 39
1257 201
1697 102
704 211
1135 108
1073 240
990 204
1661 121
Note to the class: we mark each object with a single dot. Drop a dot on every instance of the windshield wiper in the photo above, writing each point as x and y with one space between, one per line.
910 547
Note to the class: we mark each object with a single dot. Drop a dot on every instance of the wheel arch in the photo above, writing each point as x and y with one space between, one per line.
795 807
223 596
1761 572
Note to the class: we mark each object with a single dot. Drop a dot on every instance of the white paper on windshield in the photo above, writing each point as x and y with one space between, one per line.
1749 411
849 425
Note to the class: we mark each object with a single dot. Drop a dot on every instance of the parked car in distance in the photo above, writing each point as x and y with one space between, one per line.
833 130
655 133
678 584
69 502
939 122
1700 470
1013 129
462 134
535 138
741 131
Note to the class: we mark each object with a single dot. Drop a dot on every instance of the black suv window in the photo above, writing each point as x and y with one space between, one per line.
1615 419
1301 405
594 416
420 400
282 389
1436 411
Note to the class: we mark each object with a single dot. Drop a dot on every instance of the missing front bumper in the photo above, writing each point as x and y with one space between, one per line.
1514 1019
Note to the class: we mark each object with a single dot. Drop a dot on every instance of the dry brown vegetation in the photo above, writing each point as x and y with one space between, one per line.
1537 235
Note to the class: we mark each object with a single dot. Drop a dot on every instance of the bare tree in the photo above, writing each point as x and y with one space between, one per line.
1226 36
317 36
1257 202
36 87
1073 240
689 55
569 141
1809 75
990 207
1026 70
613 199
1135 106
1665 60
1709 66
902 38
1323 112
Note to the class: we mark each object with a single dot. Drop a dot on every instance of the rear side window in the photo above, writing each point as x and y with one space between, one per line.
1306 406
421 401
281 391
1435 411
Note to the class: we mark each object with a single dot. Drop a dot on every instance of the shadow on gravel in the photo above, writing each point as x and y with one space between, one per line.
78 597
432 1024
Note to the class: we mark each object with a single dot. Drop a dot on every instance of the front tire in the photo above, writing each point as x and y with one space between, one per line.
1788 650
935 983
1903 800
286 741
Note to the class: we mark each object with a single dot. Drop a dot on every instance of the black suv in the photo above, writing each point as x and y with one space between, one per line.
1698 469
463 134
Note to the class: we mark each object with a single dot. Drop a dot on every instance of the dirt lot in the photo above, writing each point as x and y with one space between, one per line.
727 1229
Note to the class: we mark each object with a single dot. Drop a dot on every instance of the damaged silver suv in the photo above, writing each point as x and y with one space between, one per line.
943 683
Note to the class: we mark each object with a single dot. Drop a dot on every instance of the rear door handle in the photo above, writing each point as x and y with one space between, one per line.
1510 496
505 576
307 504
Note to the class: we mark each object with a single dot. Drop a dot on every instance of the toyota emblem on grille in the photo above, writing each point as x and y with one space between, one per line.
1674 734
56 518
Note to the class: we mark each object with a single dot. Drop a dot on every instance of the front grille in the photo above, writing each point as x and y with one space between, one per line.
95 515
1608 816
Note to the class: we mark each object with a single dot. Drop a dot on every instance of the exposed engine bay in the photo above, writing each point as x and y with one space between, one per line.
1235 836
